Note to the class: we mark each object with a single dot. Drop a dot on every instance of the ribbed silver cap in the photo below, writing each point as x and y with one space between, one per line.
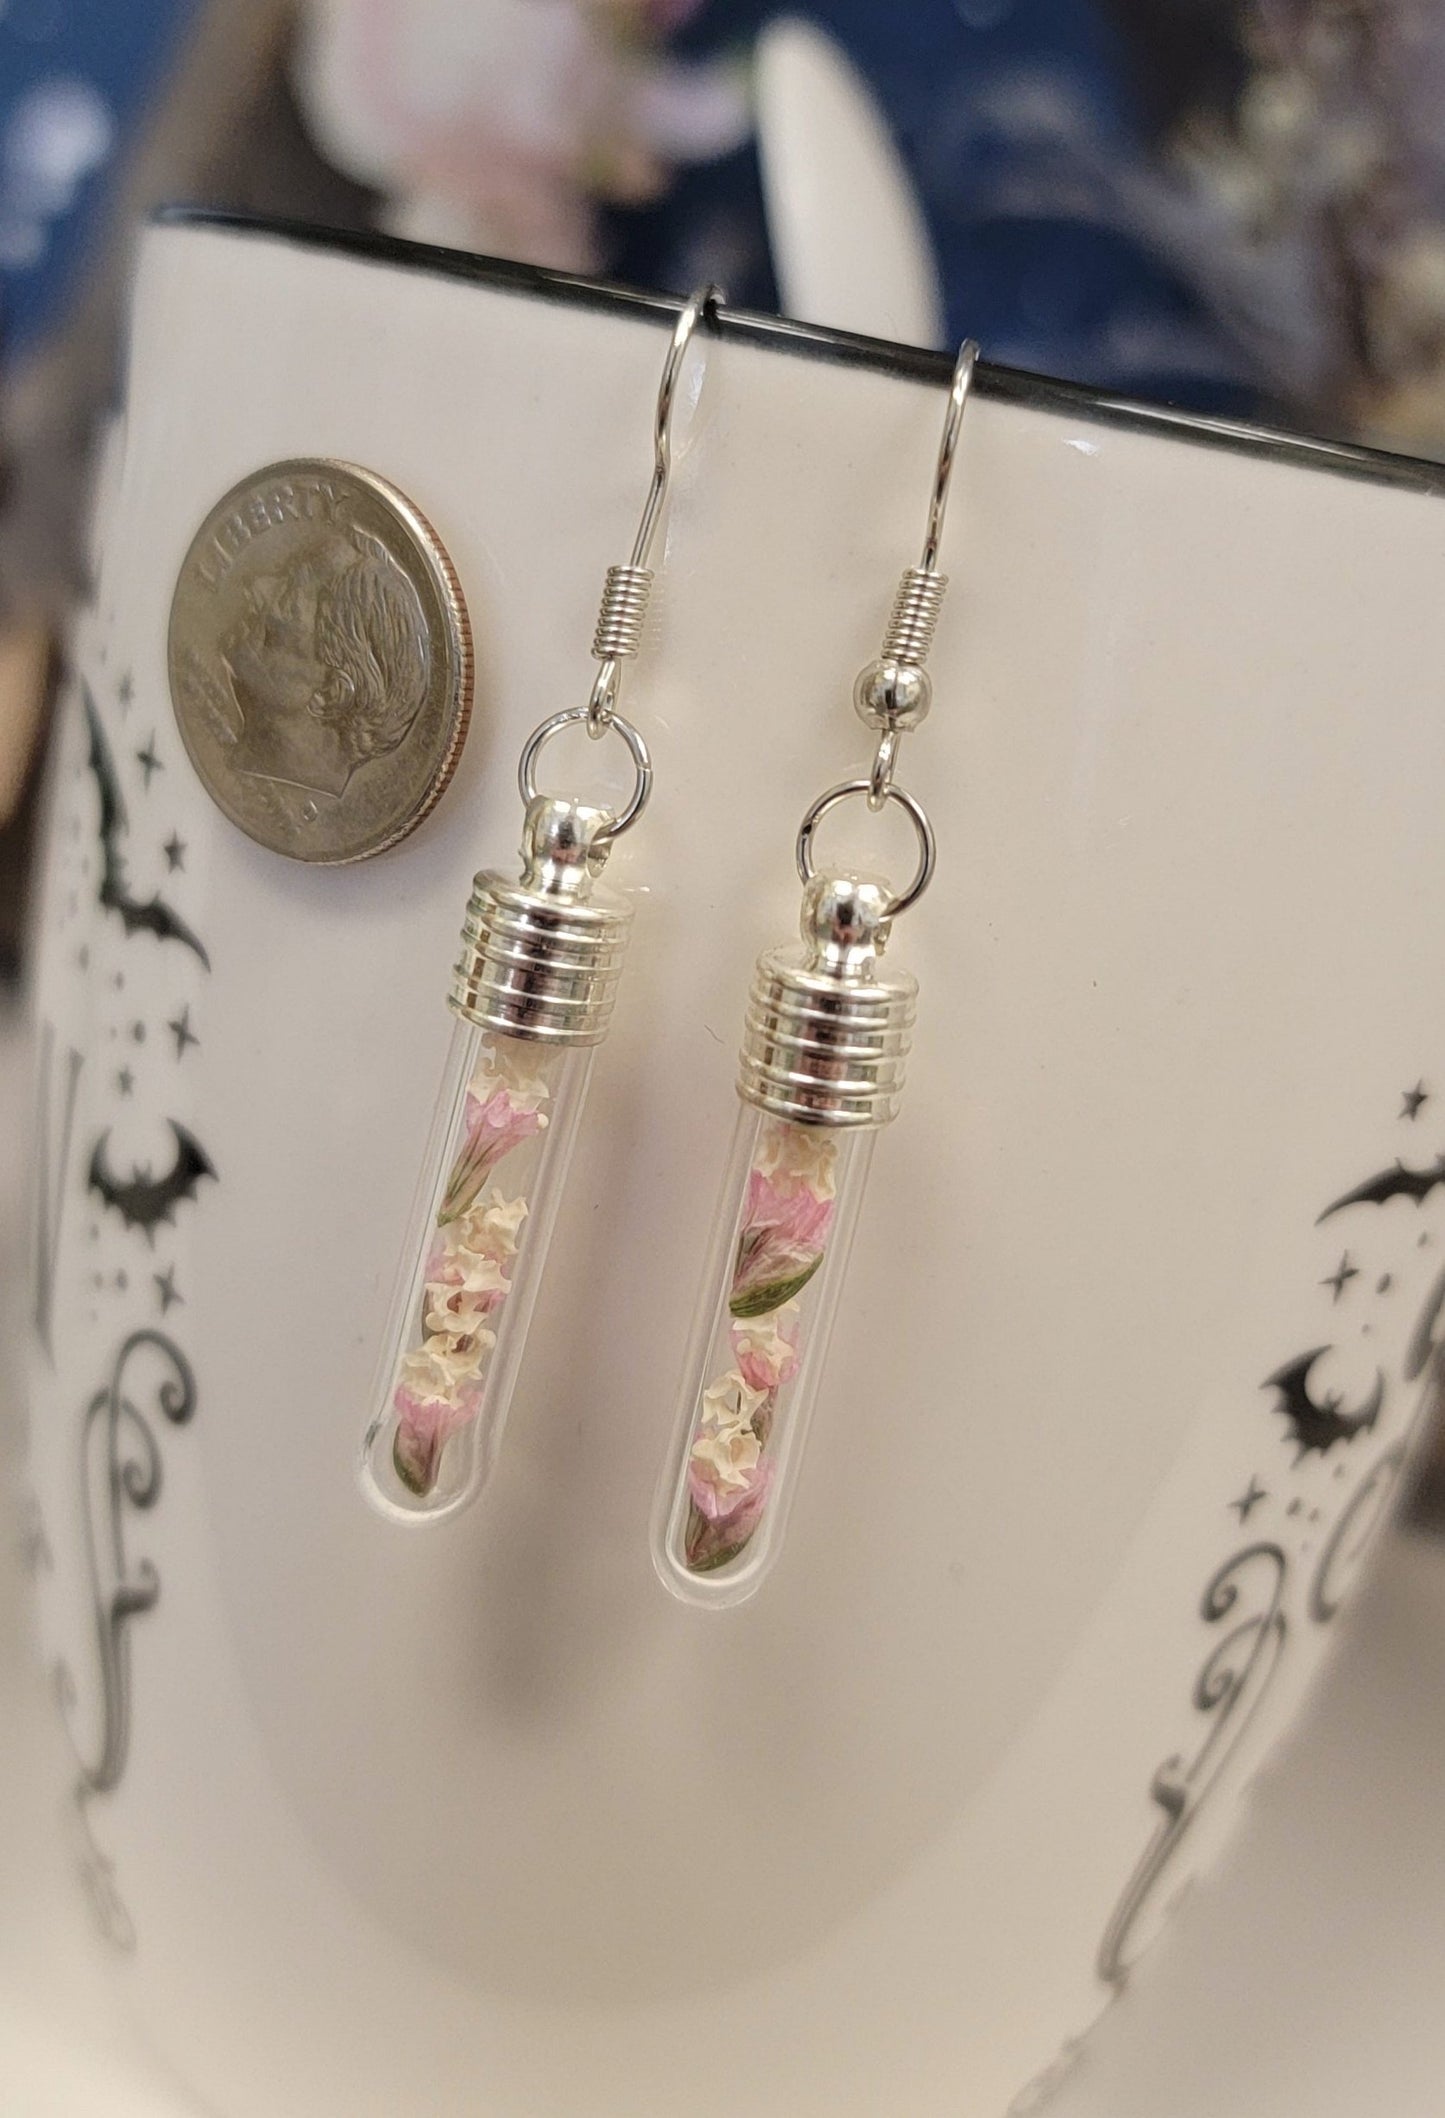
541 957
828 1030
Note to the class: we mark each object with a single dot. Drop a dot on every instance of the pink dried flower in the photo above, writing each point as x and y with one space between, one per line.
496 1124
728 1472
780 1246
719 1526
491 1129
424 1427
766 1347
730 1503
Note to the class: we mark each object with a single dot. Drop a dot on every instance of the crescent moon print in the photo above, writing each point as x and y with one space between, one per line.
1320 1423
144 1201
154 916
1367 1511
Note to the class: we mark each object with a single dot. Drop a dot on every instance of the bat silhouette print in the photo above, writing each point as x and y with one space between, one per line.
144 1201
155 915
1319 1424
1396 1183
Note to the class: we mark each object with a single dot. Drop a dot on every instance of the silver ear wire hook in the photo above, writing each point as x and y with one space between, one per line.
698 304
624 598
894 693
618 633
947 448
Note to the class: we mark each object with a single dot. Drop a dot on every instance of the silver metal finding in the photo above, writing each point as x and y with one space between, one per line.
915 615
542 954
829 1027
893 693
624 597
636 744
958 392
909 803
880 776
624 606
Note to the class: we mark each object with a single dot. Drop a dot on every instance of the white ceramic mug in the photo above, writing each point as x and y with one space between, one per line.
480 1820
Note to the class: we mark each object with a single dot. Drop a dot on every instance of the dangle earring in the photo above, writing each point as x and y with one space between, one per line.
824 1049
533 992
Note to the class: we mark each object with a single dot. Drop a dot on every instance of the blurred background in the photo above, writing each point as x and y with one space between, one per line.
1236 206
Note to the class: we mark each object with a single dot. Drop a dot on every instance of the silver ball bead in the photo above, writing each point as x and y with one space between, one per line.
891 694
845 915
560 848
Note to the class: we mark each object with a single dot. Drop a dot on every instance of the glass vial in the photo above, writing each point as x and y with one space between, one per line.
495 1168
533 992
775 1273
822 1064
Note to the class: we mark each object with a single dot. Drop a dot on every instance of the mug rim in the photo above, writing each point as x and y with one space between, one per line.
1007 385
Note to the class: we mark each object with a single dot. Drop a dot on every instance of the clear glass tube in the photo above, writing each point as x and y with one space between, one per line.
779 1254
491 1181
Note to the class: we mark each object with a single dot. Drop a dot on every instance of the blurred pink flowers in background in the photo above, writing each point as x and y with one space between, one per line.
501 125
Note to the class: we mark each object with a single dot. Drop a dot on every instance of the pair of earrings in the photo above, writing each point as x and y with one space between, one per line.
824 1049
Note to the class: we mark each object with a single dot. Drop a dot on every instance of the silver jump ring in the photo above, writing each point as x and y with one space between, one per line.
880 779
601 708
922 874
632 737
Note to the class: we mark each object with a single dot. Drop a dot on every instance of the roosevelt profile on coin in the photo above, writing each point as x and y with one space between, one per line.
320 660
327 665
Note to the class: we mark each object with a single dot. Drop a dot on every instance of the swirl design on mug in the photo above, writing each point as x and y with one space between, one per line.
1229 1688
121 1462
1353 1536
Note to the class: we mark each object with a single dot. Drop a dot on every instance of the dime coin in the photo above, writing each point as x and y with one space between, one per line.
320 660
